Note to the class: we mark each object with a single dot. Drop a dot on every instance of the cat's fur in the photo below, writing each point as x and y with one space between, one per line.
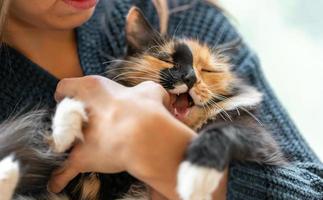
203 88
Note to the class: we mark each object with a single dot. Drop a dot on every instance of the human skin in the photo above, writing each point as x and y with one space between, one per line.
123 140
43 30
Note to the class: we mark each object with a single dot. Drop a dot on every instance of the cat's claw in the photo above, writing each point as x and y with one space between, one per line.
196 182
9 176
67 124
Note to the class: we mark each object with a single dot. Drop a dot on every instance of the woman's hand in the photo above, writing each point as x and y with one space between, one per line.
129 129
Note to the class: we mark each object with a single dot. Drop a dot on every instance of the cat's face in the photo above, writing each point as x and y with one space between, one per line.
198 77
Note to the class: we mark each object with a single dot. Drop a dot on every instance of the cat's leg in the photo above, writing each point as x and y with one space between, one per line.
9 177
210 153
67 124
201 171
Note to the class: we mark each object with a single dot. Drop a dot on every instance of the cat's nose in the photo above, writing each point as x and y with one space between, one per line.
189 79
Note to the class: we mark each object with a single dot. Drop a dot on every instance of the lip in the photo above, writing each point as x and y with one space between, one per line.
81 4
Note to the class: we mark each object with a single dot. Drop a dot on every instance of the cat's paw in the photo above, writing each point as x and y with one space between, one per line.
9 177
67 124
196 182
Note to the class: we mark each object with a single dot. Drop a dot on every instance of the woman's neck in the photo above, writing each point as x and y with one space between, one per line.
53 50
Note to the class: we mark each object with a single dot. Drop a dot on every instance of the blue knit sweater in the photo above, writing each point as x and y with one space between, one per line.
23 84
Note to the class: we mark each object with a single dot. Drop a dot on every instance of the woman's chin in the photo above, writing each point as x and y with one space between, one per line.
71 21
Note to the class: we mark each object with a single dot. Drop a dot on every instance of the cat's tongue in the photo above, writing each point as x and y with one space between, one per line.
181 106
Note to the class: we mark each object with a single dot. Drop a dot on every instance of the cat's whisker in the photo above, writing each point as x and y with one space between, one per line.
213 102
160 41
225 119
238 112
137 74
219 96
150 48
177 28
140 66
133 79
143 73
137 69
225 112
209 107
252 115
120 60
204 108
134 74
218 113
136 80
233 44
171 74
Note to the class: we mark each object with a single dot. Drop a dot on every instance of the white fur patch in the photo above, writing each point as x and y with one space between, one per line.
67 124
179 89
249 96
9 177
195 182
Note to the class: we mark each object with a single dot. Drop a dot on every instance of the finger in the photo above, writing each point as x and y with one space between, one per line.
67 88
60 179
154 91
83 88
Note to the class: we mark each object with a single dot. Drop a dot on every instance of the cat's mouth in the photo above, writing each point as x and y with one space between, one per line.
181 105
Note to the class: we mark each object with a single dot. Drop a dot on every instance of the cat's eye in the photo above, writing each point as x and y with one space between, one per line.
211 71
164 57
168 61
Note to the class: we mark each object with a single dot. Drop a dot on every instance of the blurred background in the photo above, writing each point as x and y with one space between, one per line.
288 37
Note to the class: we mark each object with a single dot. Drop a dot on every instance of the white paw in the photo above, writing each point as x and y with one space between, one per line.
196 182
67 124
9 177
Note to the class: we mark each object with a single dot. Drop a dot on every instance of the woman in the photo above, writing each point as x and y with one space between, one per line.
48 40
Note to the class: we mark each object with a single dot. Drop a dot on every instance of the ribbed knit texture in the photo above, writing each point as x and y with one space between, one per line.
23 84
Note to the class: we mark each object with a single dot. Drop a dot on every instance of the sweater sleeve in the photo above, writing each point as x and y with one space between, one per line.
303 177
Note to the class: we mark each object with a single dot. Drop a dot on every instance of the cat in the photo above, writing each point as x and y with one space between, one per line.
205 89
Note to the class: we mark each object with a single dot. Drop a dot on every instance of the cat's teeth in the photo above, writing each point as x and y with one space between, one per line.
177 112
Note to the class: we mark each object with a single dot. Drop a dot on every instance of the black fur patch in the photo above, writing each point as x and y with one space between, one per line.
182 72
241 139
27 137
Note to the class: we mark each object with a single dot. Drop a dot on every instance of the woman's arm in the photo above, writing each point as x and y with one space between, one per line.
129 130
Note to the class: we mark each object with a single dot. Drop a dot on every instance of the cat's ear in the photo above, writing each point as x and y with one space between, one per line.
139 33
243 95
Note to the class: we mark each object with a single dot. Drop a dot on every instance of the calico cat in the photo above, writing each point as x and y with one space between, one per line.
205 89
